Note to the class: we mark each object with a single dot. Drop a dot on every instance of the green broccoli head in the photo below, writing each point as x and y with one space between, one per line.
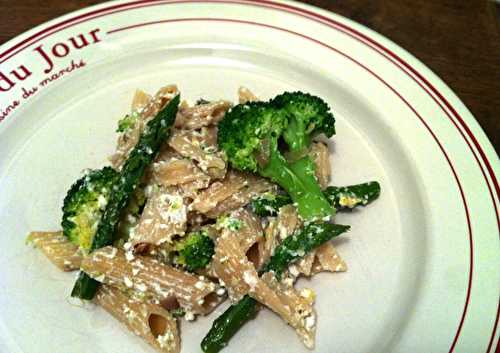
84 204
250 133
195 251
247 132
307 116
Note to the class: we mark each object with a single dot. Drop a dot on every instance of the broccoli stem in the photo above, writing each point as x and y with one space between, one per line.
292 248
155 133
296 137
313 203
299 182
340 197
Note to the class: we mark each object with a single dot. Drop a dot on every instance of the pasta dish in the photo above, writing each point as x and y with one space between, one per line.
204 203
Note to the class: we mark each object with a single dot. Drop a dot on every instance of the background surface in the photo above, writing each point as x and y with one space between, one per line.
458 39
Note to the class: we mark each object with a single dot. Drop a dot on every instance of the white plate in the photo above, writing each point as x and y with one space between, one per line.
424 260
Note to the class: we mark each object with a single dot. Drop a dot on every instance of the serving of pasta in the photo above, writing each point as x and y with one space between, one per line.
204 203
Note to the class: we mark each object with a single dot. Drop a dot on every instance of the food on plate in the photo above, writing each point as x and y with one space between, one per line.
205 203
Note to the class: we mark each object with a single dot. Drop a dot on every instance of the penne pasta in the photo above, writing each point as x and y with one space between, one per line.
245 96
140 100
328 259
230 265
249 230
218 191
201 115
178 171
147 278
295 307
240 278
254 186
278 229
127 140
58 249
163 217
320 155
194 146
193 188
303 266
149 321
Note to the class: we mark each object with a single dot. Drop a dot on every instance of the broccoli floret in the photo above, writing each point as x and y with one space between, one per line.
307 117
249 135
127 122
84 204
195 251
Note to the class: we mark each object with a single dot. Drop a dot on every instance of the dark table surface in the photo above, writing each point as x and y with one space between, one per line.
458 39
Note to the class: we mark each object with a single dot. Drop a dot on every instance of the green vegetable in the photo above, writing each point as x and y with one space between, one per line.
228 323
340 197
269 204
155 133
127 122
292 248
179 312
249 135
84 205
307 117
130 215
299 244
195 250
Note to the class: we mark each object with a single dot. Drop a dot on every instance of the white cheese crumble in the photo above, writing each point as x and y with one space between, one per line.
129 256
309 322
250 279
199 285
102 202
128 282
189 316
165 340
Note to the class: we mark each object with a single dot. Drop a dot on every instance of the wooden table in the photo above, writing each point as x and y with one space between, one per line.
459 40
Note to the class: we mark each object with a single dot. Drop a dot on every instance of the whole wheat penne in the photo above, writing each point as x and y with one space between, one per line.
148 278
127 140
175 172
193 145
218 191
58 249
254 186
163 217
201 115
245 95
328 259
149 321
140 100
319 153
240 278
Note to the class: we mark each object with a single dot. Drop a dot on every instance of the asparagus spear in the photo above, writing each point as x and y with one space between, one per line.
340 197
290 250
155 133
